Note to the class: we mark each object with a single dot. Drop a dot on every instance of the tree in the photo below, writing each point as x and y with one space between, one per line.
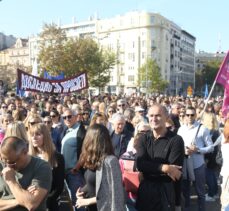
75 55
52 47
149 76
207 75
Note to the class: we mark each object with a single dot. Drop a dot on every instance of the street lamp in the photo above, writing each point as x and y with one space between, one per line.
177 79
153 48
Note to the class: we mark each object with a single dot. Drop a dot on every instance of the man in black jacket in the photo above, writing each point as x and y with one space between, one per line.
160 155
71 149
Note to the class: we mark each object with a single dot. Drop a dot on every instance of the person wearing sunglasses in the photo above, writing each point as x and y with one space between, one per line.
55 134
72 142
57 121
121 105
19 173
197 141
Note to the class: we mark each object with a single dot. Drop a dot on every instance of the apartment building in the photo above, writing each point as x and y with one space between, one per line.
134 37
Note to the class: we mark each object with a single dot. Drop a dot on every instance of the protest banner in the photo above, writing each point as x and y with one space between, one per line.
32 83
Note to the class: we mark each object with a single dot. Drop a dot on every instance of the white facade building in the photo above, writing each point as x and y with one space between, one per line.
134 37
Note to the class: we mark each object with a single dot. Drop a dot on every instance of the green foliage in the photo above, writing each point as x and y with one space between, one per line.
75 55
207 75
149 76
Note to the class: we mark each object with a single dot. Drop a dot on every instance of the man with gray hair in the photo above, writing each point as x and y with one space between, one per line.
25 180
71 149
121 105
119 137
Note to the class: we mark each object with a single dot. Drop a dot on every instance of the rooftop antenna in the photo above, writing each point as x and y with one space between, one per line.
73 19
219 43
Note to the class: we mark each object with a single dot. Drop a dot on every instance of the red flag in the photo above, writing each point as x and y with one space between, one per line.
223 73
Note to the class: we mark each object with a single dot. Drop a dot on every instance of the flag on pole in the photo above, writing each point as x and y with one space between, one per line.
35 68
223 78
206 91
223 73
225 107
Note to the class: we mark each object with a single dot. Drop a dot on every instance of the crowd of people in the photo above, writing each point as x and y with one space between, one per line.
111 154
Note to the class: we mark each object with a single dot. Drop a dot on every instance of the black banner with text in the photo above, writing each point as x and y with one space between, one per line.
32 83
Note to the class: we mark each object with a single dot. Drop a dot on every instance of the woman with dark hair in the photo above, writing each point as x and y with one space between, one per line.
99 118
103 190
56 121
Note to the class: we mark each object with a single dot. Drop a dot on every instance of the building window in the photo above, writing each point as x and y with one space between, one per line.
143 43
130 78
151 19
143 55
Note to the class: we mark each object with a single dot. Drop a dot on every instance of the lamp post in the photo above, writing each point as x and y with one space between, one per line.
153 48
177 79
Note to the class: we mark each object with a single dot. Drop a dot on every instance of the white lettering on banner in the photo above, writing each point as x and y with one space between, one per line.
74 84
57 88
29 82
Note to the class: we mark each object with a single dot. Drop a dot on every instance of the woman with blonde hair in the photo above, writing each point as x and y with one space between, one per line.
17 129
41 145
32 119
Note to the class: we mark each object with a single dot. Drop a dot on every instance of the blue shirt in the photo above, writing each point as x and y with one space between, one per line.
69 147
203 141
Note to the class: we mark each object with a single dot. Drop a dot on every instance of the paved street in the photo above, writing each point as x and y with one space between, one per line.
210 206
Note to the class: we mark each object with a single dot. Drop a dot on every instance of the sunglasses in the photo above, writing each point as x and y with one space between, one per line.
33 123
85 113
4 107
67 117
47 122
188 115
52 116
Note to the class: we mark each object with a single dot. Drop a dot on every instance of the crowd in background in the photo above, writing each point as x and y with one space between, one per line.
87 145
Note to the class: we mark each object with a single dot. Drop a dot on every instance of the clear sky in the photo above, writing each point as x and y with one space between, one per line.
207 20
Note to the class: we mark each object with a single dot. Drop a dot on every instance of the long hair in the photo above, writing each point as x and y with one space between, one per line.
226 131
17 129
96 116
97 145
48 146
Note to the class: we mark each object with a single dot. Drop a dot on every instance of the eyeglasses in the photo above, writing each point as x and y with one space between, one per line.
47 122
67 117
33 123
181 115
52 116
8 120
121 105
188 115
111 111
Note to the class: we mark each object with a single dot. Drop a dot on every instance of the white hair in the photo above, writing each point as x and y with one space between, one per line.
117 117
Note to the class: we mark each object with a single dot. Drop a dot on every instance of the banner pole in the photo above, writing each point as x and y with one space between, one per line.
206 103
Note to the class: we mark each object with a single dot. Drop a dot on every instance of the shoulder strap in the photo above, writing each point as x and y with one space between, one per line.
197 133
